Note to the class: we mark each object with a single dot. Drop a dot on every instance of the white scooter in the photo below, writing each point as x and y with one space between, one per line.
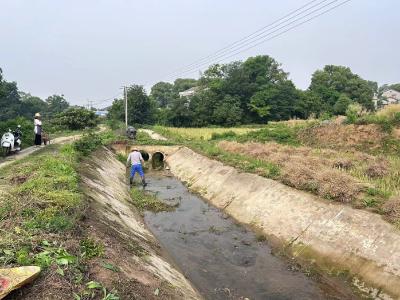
11 142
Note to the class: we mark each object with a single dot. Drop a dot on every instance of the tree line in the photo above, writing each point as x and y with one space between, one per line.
15 103
257 90
18 107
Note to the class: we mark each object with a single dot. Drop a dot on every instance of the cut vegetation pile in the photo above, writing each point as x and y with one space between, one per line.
352 177
360 137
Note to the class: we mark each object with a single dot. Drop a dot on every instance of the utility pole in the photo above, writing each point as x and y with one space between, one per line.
126 106
89 104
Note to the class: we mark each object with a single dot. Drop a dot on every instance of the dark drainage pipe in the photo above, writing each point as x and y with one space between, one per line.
157 160
145 155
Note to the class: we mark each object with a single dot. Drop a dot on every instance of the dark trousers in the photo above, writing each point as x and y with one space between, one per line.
38 139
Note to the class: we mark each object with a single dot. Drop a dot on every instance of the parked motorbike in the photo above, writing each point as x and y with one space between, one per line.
11 141
131 132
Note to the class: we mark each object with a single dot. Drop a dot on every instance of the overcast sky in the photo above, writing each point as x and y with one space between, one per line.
87 49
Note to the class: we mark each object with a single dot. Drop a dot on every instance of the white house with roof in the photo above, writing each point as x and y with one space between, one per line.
391 96
189 92
388 97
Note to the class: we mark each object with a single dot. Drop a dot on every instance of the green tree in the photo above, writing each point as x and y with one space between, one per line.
275 101
117 110
140 107
75 118
32 104
201 105
56 104
163 93
183 84
333 81
309 104
342 104
228 111
10 102
179 114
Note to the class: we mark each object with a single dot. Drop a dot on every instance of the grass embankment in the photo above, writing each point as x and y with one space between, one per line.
355 164
41 208
202 133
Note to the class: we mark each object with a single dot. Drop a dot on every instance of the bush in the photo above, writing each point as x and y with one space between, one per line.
353 111
225 135
76 118
88 143
279 133
91 141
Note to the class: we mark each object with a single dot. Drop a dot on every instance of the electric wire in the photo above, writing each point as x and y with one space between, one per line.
251 36
264 39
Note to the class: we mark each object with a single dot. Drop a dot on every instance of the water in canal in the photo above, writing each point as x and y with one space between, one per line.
221 258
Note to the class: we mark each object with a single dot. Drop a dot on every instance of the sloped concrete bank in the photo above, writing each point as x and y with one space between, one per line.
333 236
104 183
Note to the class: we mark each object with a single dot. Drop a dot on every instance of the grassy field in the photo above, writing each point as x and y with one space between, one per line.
357 164
201 133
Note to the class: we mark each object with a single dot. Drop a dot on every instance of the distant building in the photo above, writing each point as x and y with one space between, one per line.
388 97
101 113
391 97
189 92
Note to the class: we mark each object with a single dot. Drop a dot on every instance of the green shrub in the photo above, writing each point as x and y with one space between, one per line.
88 143
223 136
353 111
75 118
279 133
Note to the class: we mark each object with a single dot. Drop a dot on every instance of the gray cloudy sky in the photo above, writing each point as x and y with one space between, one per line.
88 49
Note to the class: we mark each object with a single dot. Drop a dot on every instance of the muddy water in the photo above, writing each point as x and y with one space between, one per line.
221 258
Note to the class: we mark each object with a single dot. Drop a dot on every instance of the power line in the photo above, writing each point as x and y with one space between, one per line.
106 100
254 34
263 38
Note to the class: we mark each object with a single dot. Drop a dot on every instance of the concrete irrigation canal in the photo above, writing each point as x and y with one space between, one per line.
220 257
215 236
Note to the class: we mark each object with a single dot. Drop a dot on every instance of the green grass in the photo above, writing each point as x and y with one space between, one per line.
46 200
147 202
41 206
242 162
203 133
276 132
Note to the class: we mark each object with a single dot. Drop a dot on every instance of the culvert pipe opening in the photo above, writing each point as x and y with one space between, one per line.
145 155
157 160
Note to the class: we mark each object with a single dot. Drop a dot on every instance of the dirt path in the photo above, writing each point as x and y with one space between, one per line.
28 151
153 135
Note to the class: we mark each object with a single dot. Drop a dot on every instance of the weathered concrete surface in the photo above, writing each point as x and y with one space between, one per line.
104 183
347 238
125 149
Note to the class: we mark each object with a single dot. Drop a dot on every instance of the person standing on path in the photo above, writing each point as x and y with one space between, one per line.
135 158
38 130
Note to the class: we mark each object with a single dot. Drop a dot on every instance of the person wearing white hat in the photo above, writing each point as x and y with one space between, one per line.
38 130
135 159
